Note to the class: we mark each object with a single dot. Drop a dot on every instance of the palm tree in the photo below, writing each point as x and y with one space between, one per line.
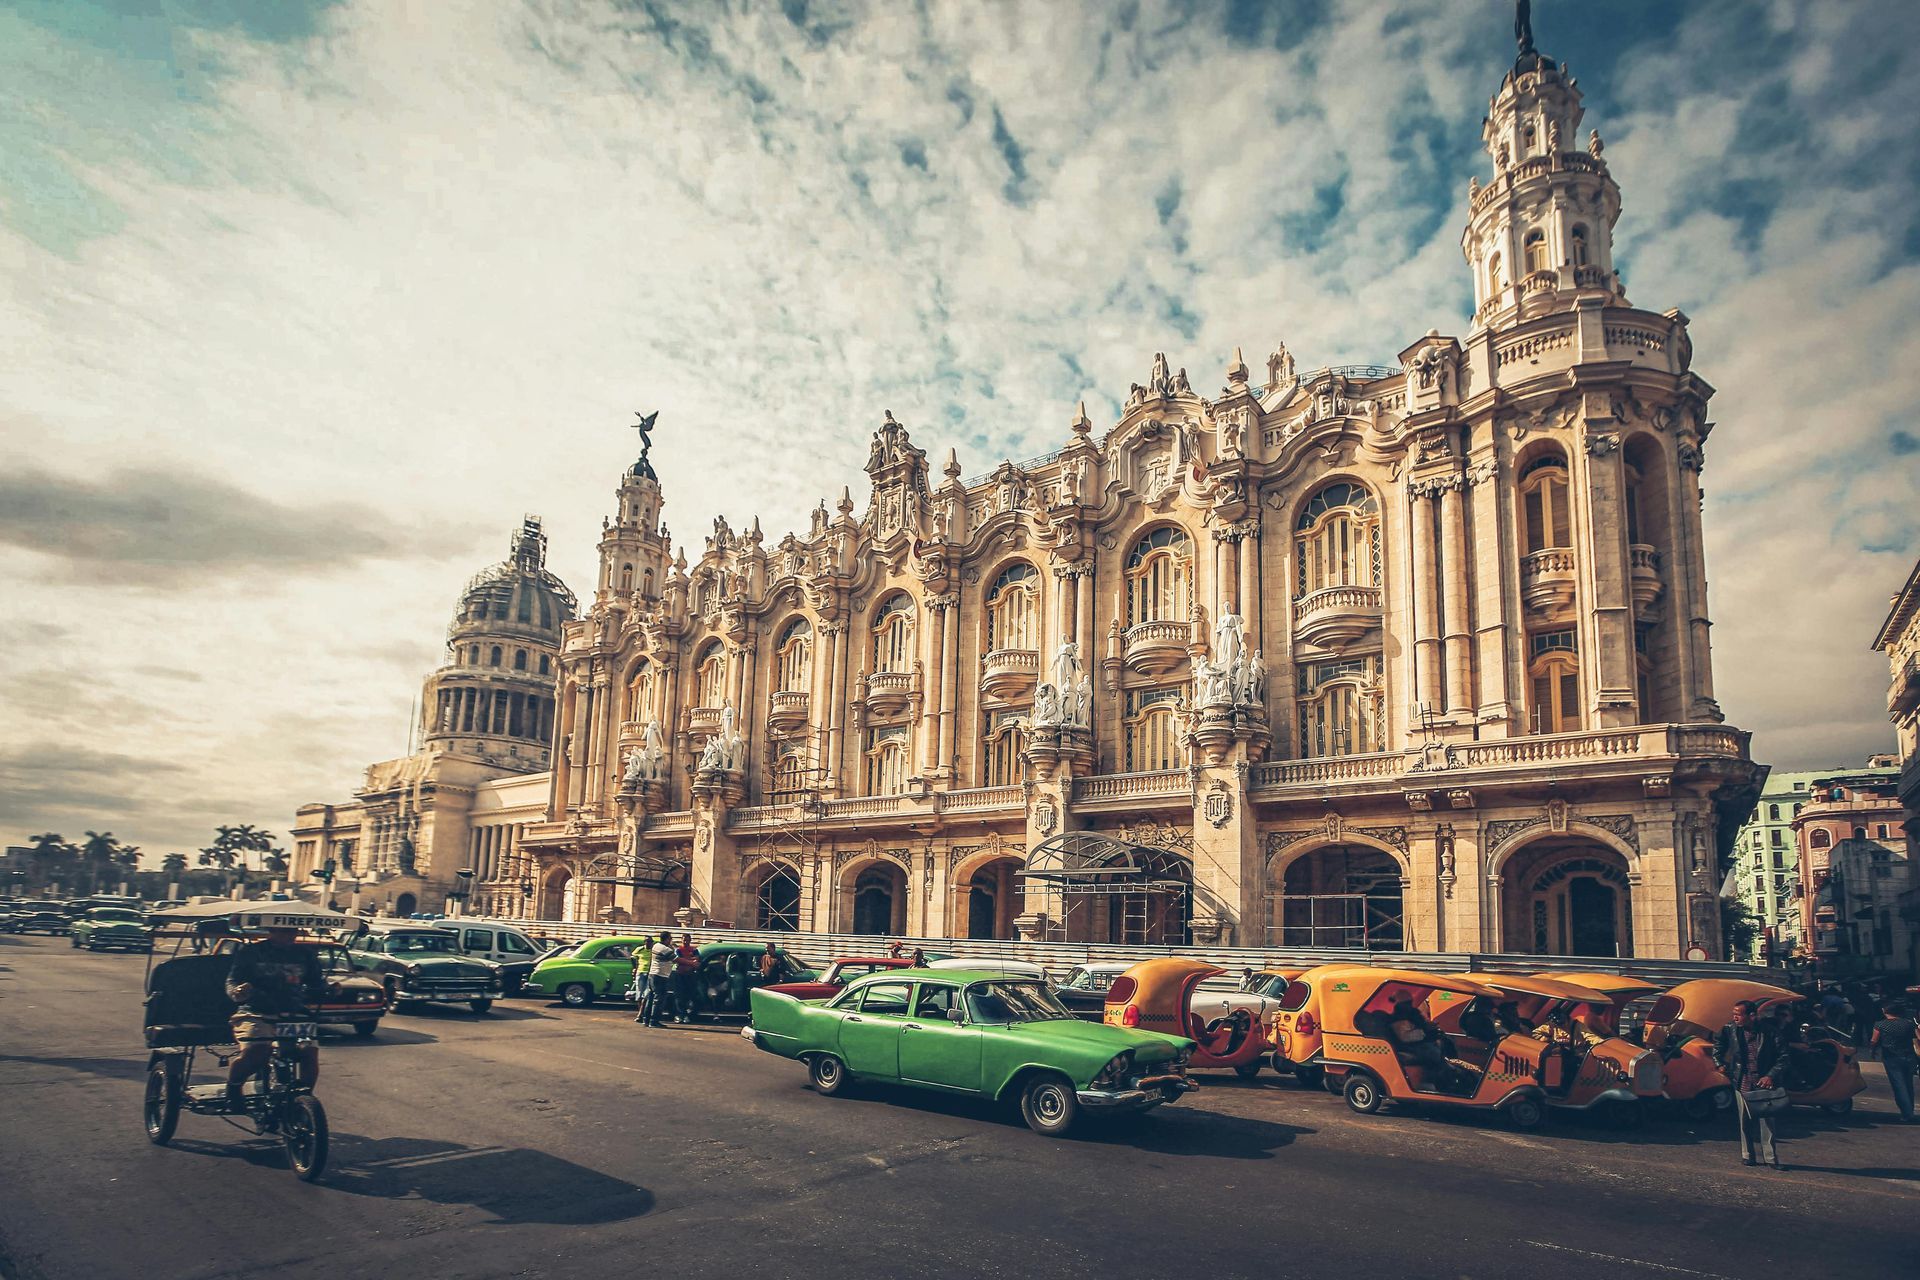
97 856
174 864
51 856
275 861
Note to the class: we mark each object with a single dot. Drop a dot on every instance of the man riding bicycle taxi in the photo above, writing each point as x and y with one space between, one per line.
271 979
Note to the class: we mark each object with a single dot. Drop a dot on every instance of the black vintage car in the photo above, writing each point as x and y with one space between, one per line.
39 917
420 964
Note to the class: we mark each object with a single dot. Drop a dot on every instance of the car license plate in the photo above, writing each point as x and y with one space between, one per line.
454 997
297 1030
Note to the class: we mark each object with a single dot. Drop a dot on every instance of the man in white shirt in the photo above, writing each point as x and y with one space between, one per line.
654 997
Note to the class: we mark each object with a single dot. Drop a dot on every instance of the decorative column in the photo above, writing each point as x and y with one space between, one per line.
1608 666
1456 638
934 698
1425 580
836 705
1493 569
950 701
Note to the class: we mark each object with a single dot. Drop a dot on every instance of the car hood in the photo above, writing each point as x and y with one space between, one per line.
1078 1033
117 926
445 966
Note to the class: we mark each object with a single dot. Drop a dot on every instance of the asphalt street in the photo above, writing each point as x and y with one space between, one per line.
540 1141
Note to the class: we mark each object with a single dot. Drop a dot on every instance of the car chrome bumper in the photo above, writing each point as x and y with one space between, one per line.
1134 1099
1605 1095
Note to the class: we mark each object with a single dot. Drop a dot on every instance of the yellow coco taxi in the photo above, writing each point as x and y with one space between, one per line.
1825 1074
1688 1080
1373 1033
1587 1068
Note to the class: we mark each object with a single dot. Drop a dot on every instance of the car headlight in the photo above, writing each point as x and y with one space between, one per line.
1116 1070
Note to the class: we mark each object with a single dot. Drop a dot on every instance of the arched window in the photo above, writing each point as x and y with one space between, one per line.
792 656
493 656
1337 539
1773 813
1533 250
1000 750
1152 733
887 761
546 665
1496 280
1159 574
1340 708
710 677
1554 675
473 655
1820 840
1011 606
1529 138
519 659
640 692
646 583
893 634
789 776
1577 241
626 579
1543 493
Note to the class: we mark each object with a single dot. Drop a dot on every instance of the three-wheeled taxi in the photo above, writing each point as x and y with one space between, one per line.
1826 1074
1157 995
188 1010
1365 1036
1690 1081
1601 1072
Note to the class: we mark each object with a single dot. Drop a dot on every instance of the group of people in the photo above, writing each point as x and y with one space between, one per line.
666 979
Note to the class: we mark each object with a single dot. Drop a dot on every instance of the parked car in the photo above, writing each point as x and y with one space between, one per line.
974 1032
420 964
837 975
351 999
1085 989
39 917
598 969
111 929
506 947
1005 968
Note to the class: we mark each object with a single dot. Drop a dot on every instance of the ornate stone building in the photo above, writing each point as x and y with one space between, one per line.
1411 656
486 720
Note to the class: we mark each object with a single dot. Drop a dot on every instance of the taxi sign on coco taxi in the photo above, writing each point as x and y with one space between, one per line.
1370 1031
1588 1068
989 1034
1825 1074
1157 995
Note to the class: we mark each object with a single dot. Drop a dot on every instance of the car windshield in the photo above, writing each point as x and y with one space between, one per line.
333 959
401 944
114 915
1013 1002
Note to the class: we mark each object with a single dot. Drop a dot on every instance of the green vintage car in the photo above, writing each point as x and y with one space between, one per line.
602 969
420 965
111 929
977 1032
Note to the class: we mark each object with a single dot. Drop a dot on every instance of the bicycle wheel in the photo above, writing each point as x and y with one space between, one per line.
303 1130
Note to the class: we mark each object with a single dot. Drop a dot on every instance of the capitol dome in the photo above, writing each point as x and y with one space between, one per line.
494 698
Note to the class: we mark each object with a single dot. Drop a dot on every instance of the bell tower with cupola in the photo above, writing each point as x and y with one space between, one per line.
1540 234
634 550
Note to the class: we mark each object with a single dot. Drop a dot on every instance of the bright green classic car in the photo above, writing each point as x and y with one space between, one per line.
111 929
968 1031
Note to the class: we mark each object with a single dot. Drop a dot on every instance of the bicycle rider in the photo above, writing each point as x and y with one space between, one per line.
271 979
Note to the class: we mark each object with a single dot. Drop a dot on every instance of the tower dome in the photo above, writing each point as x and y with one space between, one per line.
493 699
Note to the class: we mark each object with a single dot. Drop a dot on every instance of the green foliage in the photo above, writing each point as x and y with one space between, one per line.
1738 928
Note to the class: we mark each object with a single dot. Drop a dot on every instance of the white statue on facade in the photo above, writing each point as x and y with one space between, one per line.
713 756
1066 668
1229 640
1046 707
1083 704
1253 686
1212 684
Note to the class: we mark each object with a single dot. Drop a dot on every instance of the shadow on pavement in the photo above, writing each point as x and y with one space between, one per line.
388 1036
514 1184
111 1068
1786 1158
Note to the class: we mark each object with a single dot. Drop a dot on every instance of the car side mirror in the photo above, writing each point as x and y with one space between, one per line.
956 1015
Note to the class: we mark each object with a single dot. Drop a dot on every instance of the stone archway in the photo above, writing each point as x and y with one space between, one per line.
1345 894
557 892
988 897
1568 896
873 898
773 897
405 906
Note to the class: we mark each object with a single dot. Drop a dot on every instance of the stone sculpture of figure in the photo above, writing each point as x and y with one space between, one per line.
654 743
1075 477
726 721
1066 668
713 756
1253 688
636 767
1083 705
1161 380
1046 706
940 524
1229 640
1210 685
876 453
1180 384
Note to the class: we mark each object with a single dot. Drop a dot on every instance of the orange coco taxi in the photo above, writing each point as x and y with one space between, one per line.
1826 1074
1365 1048
1588 1067
1689 1080
1157 995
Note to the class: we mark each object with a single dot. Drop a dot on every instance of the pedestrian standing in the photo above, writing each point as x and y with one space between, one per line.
1748 1053
1898 1040
642 981
1867 1014
659 969
686 965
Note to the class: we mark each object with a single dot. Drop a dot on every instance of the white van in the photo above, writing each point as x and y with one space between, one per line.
507 947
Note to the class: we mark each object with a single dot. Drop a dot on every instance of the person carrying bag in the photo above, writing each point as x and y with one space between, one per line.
1749 1053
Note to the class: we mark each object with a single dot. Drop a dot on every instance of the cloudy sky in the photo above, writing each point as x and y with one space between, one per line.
304 305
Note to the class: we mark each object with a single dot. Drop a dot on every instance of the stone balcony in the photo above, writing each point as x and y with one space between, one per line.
1903 695
703 721
1008 674
1334 617
1643 567
889 691
1547 582
1155 648
787 710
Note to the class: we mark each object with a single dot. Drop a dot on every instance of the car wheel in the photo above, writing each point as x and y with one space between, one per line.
1247 1070
828 1074
365 1030
479 1006
1625 1115
162 1105
1311 1075
1363 1093
1048 1105
1526 1113
1706 1104
576 995
1839 1108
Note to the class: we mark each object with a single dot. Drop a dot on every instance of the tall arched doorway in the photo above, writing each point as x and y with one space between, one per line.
405 905
990 899
879 899
1566 898
1344 895
776 899
556 895
1101 888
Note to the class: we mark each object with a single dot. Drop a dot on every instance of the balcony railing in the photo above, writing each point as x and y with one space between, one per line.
1156 647
1643 567
1295 773
703 720
1007 673
1547 580
981 799
862 807
889 690
1158 784
1334 617
787 709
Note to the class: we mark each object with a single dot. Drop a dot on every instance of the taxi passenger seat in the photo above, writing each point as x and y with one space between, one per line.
187 1002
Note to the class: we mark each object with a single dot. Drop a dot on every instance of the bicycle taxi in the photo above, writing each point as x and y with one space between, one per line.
1345 1023
1157 995
1825 1074
188 1013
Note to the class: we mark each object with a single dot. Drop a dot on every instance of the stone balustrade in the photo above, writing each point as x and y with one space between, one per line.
1334 617
1547 581
787 709
1156 647
1006 673
1159 784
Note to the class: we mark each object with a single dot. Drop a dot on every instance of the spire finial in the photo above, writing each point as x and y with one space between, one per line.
1523 26
1082 424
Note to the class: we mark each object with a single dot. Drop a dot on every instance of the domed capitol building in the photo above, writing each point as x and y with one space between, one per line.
1412 658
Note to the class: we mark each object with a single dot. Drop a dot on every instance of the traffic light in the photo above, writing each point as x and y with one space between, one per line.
324 874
